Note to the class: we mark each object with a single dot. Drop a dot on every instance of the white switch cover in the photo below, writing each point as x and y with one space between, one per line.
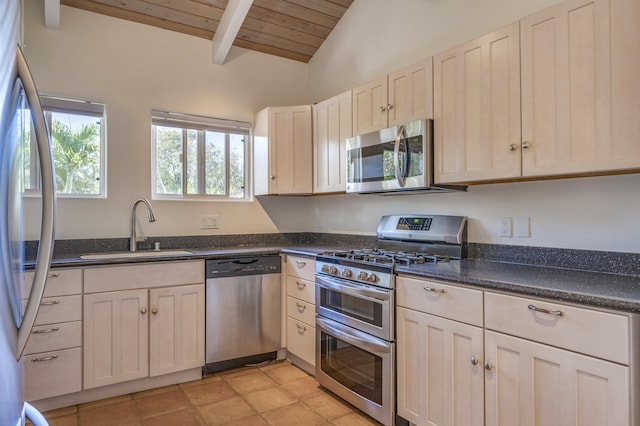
523 227
506 227
209 221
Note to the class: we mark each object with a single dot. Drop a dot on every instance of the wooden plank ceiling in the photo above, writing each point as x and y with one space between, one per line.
292 29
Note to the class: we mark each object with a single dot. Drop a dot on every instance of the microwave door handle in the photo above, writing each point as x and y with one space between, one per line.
396 156
47 230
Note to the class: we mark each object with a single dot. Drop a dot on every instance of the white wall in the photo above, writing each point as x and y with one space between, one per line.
135 68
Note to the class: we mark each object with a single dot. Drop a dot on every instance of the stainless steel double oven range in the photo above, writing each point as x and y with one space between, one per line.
355 306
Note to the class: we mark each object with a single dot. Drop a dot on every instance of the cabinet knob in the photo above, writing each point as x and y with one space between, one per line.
488 366
154 311
526 145
143 311
383 108
273 177
389 107
474 360
513 147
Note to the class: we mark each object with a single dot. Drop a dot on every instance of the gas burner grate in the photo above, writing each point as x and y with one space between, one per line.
380 256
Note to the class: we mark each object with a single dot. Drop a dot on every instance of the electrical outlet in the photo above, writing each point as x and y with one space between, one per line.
209 221
523 227
506 227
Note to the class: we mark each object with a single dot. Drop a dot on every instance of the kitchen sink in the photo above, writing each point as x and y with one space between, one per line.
134 254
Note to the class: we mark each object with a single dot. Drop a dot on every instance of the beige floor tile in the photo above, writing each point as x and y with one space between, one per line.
155 391
188 417
249 421
250 382
65 411
269 399
355 419
328 406
68 420
286 373
162 403
294 415
275 364
226 411
240 371
121 414
209 392
103 402
199 382
304 388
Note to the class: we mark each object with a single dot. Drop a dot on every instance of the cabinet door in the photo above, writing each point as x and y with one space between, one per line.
580 87
477 109
290 146
411 93
331 127
176 329
530 383
370 106
440 375
115 337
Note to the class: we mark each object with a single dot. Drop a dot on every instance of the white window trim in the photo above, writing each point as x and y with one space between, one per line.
197 122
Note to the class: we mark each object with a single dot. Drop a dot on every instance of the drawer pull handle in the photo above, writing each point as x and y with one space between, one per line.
488 366
53 275
301 329
546 311
46 330
300 263
45 358
474 360
435 290
300 285
50 302
301 307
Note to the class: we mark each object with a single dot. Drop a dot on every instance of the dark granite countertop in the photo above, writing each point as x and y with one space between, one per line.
612 291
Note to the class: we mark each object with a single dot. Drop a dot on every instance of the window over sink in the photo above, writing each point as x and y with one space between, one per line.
199 158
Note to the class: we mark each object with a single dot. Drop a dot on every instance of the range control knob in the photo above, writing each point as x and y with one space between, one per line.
333 270
346 273
362 276
372 278
325 269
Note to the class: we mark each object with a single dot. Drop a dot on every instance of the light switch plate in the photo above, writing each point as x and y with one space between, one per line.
523 227
209 221
506 225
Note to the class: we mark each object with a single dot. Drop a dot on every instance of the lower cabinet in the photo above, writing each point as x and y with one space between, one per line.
529 361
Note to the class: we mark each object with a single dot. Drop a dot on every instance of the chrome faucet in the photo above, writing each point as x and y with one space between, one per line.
152 218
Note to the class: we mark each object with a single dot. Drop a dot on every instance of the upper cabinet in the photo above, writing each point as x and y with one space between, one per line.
563 100
397 98
477 109
331 127
282 151
580 87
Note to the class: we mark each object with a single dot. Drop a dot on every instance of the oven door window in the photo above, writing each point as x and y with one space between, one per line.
364 310
352 367
375 163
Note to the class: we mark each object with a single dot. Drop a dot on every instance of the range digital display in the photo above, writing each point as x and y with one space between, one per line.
414 223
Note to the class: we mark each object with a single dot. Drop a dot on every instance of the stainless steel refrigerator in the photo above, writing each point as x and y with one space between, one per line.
19 103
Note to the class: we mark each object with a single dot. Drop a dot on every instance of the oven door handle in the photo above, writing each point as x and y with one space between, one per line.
354 337
353 289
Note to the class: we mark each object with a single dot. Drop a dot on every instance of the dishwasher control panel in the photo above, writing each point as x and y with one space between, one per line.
238 266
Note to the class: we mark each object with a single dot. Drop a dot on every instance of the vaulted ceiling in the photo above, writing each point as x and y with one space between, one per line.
292 29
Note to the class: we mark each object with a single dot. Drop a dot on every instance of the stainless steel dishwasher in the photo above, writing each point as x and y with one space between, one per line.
243 311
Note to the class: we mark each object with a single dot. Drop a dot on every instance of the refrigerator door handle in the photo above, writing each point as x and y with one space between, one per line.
47 232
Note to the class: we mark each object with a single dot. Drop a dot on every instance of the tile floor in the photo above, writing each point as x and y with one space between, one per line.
278 394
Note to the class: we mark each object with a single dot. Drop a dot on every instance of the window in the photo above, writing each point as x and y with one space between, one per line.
198 157
78 144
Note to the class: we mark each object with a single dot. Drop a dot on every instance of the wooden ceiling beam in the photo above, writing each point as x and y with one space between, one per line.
230 24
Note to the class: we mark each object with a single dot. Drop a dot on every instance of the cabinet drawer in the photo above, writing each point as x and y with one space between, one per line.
60 282
301 340
52 337
301 289
52 373
600 334
301 311
448 301
301 267
58 309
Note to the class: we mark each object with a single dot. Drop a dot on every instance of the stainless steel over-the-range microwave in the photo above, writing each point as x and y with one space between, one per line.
392 160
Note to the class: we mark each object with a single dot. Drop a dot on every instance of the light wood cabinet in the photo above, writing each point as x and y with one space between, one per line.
402 96
332 125
301 327
152 323
580 87
477 109
52 357
530 361
283 151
